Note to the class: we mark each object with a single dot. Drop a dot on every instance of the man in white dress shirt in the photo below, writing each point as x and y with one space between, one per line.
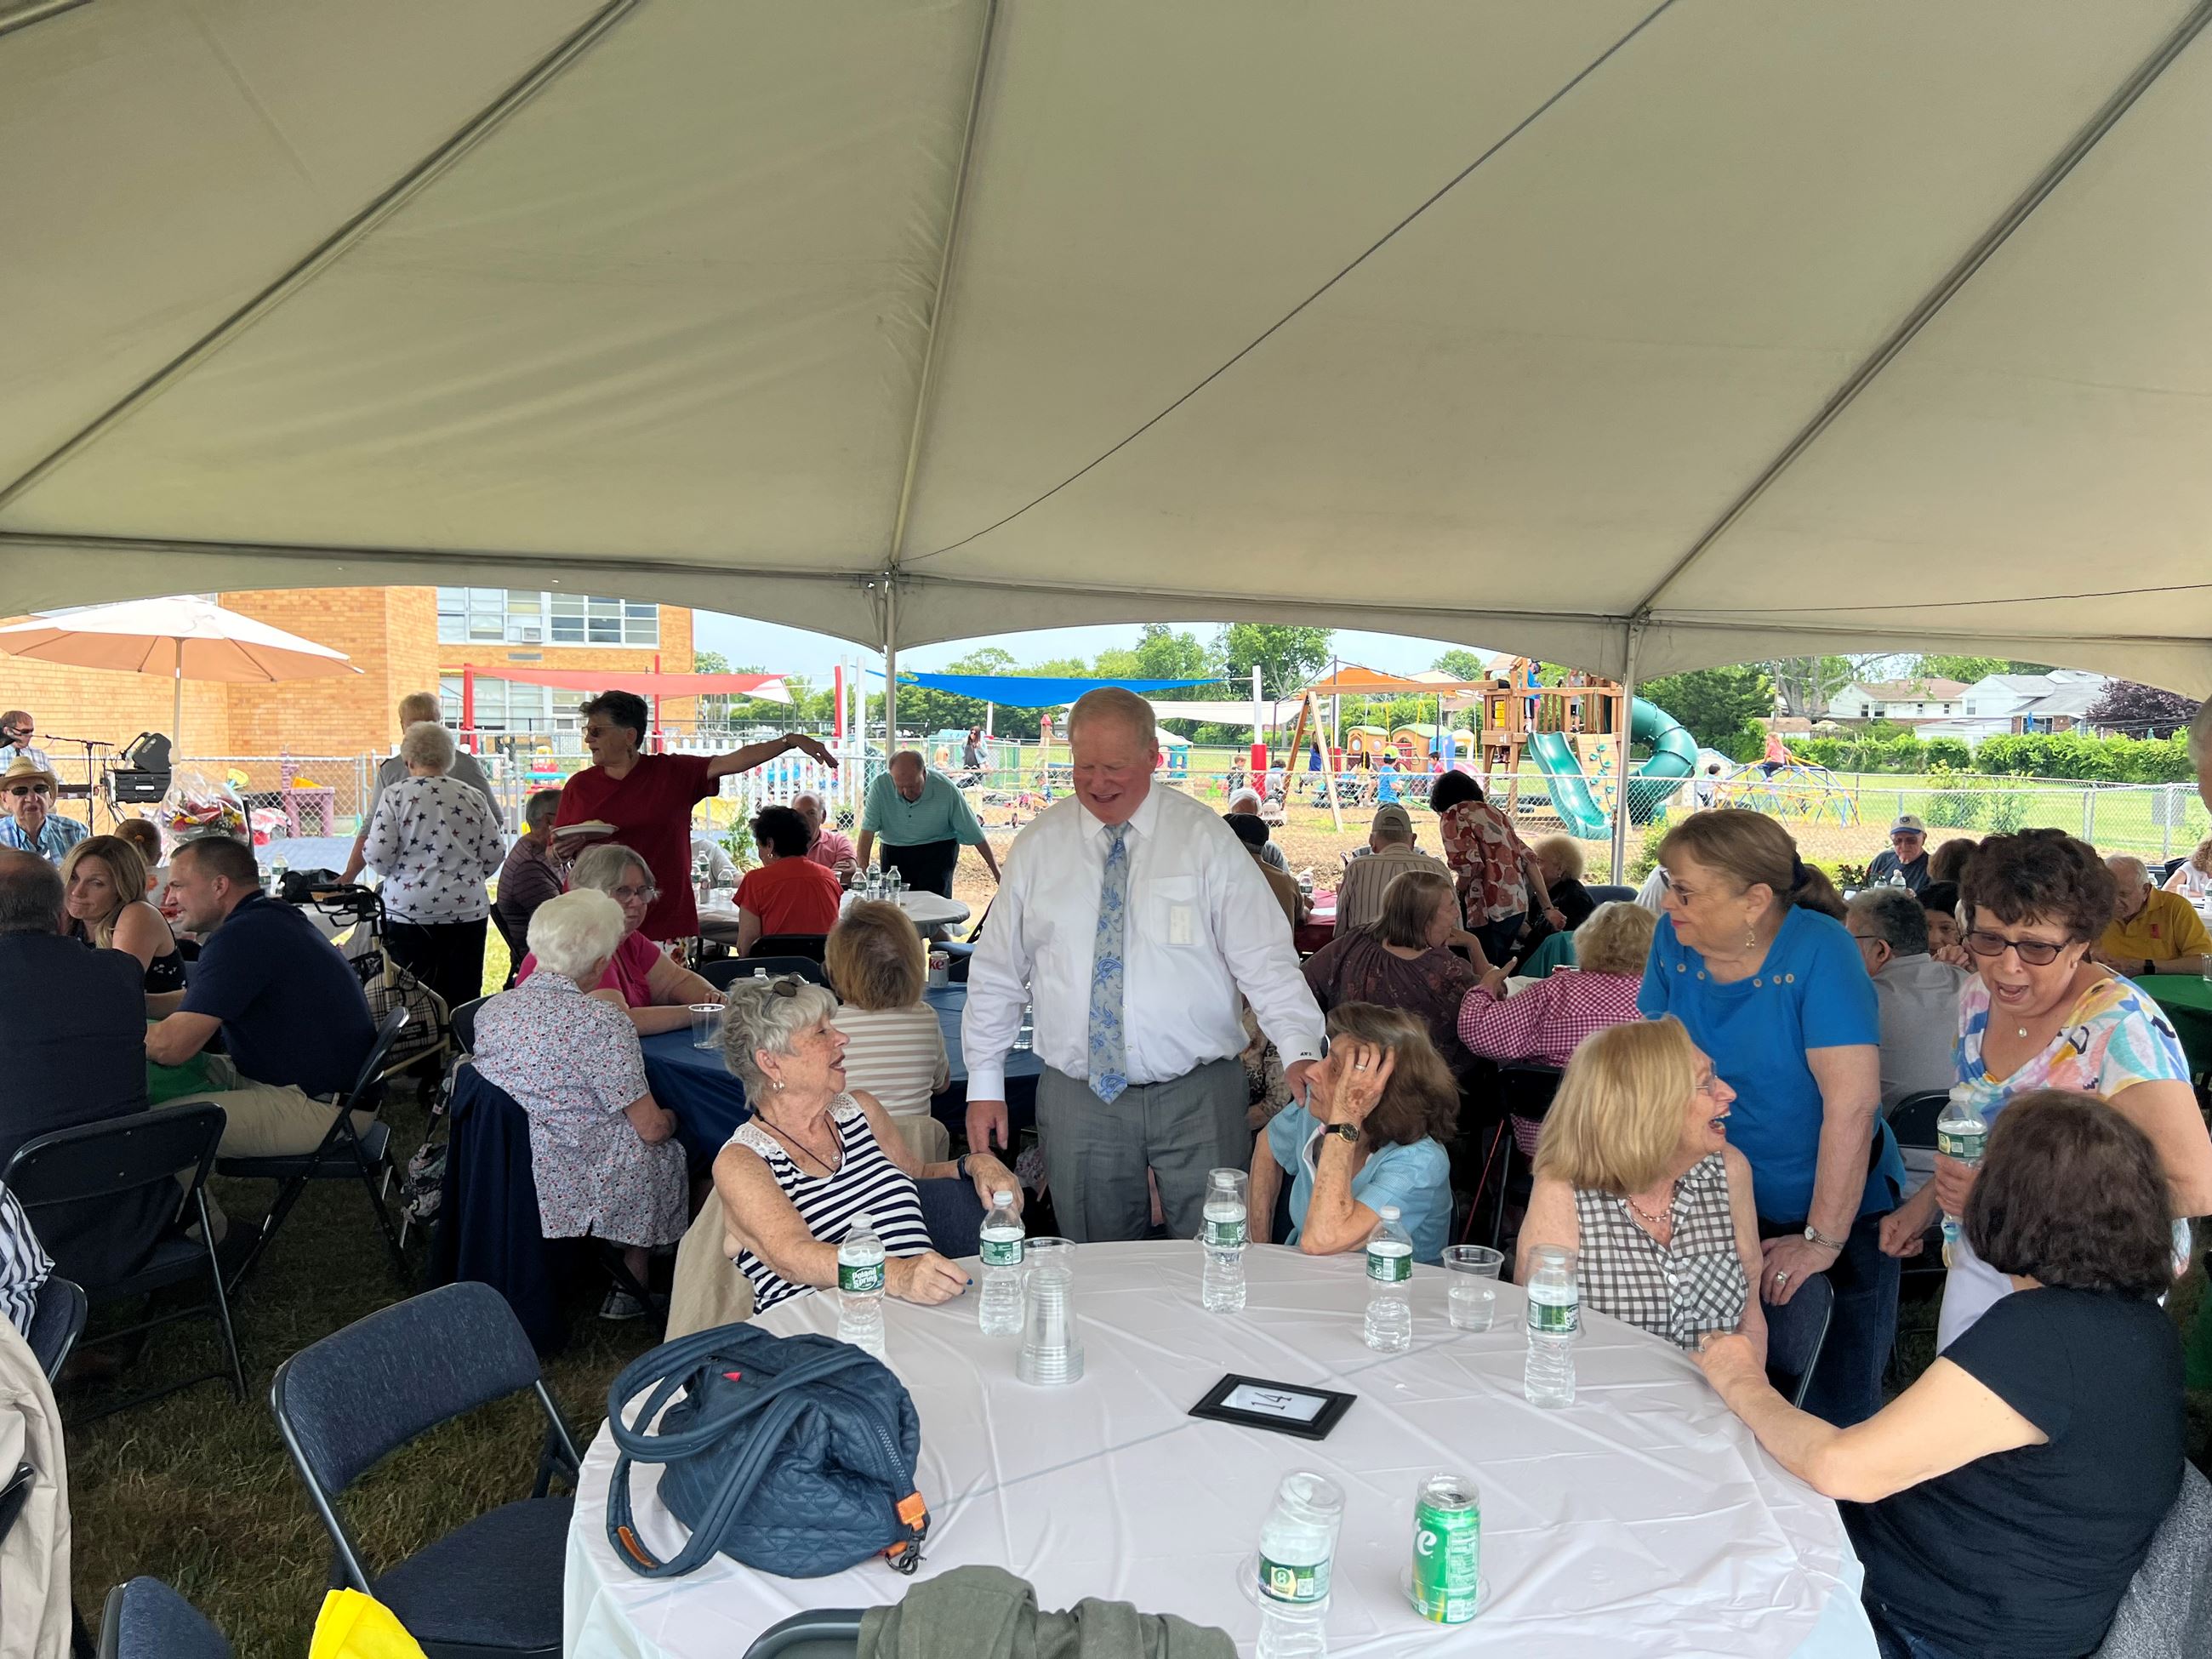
1137 924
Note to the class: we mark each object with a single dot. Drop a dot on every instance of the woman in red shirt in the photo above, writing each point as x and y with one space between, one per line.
648 798
789 893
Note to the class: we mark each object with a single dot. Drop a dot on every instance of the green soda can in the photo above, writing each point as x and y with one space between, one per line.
1447 1549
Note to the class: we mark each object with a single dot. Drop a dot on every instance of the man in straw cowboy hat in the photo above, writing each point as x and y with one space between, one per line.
27 792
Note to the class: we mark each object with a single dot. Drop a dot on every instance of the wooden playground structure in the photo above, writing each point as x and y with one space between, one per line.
1517 711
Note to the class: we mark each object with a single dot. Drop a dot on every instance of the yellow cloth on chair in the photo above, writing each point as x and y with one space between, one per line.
356 1626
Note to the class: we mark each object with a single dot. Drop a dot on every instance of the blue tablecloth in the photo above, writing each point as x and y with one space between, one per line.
709 1103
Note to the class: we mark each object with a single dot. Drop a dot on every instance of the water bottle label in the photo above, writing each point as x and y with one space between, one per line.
1226 1235
1553 1318
1965 1146
859 1278
1001 1252
1306 1583
1389 1268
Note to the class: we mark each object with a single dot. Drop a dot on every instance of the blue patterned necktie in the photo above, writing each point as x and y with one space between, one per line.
1110 1061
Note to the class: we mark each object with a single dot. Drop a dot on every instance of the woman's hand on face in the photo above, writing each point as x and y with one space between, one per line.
990 1177
1353 1080
925 1280
1953 1181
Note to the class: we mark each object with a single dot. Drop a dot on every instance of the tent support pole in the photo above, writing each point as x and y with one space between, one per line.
890 670
1621 813
320 256
2013 217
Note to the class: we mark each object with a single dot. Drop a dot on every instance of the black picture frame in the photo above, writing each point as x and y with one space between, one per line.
1302 1424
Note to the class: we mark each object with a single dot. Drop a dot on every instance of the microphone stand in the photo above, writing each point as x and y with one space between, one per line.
95 774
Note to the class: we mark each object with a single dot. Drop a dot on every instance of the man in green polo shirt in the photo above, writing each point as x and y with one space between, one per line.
923 823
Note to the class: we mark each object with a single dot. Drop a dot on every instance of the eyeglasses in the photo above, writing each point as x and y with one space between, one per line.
28 789
624 895
2035 952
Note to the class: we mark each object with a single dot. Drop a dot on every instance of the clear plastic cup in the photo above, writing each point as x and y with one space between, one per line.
1471 1273
705 1025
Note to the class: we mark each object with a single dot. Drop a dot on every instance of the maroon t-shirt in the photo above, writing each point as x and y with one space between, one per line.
650 808
792 896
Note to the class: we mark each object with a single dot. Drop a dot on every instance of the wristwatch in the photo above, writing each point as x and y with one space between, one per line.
1347 1132
1815 1236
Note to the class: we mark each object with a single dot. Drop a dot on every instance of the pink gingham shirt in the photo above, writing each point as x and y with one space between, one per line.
1548 1019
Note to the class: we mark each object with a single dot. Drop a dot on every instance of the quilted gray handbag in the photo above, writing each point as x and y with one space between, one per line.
795 1455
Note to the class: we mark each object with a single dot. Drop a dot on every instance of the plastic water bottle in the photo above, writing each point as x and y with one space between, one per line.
1222 1233
277 868
1554 1315
999 1310
861 1287
1960 1133
1298 1545
1390 1285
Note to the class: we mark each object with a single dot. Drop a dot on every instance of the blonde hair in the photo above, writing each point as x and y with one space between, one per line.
126 872
2202 858
1409 901
416 707
1615 939
1617 1120
1112 702
874 957
1562 854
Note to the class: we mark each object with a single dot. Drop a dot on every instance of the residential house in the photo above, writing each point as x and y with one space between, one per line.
1908 702
2058 701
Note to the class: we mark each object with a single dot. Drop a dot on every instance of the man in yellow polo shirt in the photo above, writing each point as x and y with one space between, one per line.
2153 931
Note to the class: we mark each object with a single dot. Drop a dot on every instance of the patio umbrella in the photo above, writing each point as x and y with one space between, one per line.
185 639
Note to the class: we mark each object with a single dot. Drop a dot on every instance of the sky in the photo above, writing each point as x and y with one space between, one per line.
772 649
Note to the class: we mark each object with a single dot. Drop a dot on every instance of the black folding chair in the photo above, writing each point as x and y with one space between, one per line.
147 1620
464 1020
108 1160
1525 1090
1797 1332
818 1633
492 1586
1912 1119
344 1154
1604 893
810 945
728 970
56 1324
518 947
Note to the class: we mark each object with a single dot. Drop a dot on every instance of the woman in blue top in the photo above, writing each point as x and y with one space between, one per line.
1779 999
1371 1133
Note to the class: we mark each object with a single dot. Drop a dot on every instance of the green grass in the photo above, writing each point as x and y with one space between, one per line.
196 1489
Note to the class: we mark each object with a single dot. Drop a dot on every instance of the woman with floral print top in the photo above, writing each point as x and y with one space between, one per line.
1497 874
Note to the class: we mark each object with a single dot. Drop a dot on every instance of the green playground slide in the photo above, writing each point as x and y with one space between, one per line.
1673 757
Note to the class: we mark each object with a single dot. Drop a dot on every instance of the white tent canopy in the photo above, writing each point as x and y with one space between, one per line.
1715 328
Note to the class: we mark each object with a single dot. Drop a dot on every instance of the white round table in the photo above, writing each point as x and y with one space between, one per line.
1644 1519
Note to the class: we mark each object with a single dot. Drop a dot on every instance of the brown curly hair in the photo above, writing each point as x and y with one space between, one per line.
1421 1098
2071 1193
2040 875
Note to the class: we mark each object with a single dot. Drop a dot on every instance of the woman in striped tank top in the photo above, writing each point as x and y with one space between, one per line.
1634 1174
815 1154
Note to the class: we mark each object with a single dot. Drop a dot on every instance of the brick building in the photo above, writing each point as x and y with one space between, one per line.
403 638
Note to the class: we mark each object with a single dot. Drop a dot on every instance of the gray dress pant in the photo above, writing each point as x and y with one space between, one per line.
1096 1154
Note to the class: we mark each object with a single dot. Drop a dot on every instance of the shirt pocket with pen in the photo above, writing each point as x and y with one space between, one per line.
1167 912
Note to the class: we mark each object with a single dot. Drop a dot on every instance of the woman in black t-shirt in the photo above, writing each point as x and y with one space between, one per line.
2002 1503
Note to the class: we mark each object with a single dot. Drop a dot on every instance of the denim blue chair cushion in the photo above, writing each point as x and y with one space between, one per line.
147 1620
953 1215
56 1324
495 1581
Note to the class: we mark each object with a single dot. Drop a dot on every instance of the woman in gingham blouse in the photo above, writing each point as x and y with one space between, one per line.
1635 1175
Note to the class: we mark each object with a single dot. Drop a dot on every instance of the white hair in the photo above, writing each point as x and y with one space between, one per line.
765 1015
428 743
603 867
2127 866
2200 738
1241 794
538 810
1112 702
576 934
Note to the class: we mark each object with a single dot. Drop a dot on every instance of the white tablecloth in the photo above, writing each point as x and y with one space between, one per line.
720 921
1642 1520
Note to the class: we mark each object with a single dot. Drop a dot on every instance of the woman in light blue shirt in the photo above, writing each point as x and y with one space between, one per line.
1372 1133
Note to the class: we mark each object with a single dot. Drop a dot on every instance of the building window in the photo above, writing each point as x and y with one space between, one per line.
500 615
508 705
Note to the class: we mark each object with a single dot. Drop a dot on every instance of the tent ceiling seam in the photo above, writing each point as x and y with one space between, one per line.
1291 315
926 381
37 13
1985 247
333 247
